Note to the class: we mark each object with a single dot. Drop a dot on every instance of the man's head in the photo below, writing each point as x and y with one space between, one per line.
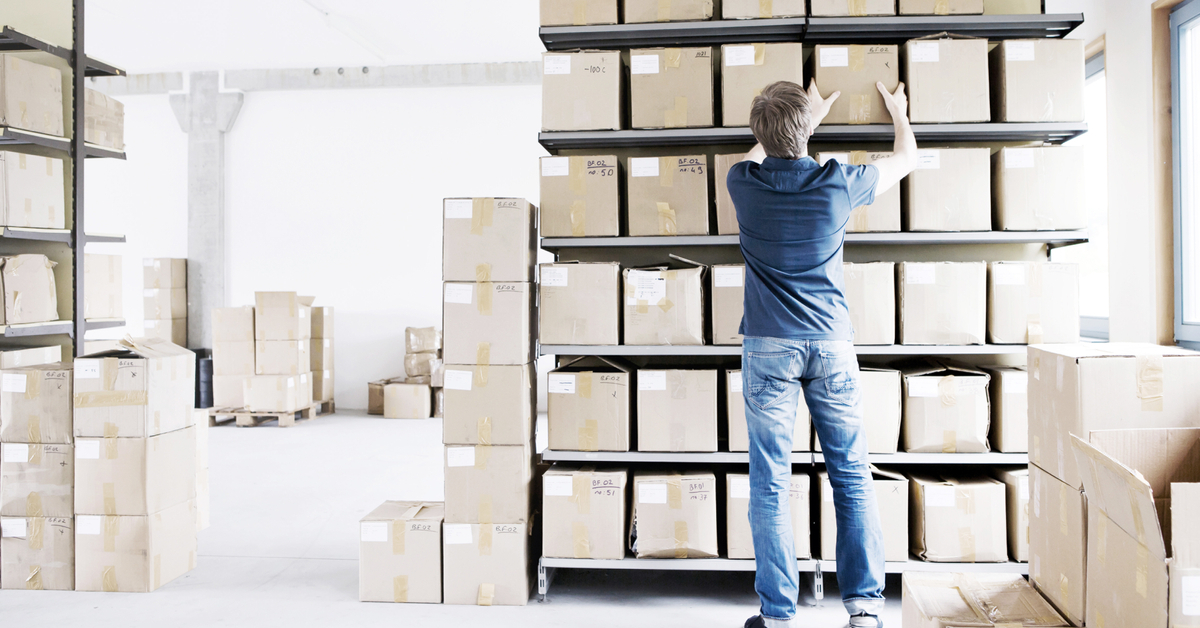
782 120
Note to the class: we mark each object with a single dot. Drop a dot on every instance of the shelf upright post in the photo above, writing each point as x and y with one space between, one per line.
78 158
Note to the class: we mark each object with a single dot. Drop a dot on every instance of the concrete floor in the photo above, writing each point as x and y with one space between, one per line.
283 548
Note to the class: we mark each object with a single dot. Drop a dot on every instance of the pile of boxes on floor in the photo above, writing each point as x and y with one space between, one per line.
274 357
103 468
585 12
417 395
164 290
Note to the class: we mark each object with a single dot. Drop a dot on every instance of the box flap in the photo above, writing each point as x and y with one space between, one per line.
1161 456
889 475
617 363
394 510
944 35
1122 493
142 347
688 261
941 368
306 300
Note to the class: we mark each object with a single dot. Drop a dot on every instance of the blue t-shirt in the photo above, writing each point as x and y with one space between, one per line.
792 216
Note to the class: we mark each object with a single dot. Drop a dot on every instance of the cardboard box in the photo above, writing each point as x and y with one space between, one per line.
735 413
1058 534
164 272
881 400
422 340
146 387
674 515
496 234
418 364
854 70
233 324
375 394
407 401
942 303
33 98
135 476
499 475
491 405
958 520
281 357
1009 388
945 408
272 393
31 277
228 391
400 553
134 554
578 12
677 410
235 357
165 303
667 195
439 403
583 513
884 213
1017 496
1033 302
1039 188
727 223
947 79
664 307
487 565
749 9
871 299
933 600
18 358
671 88
104 120
1012 7
949 191
941 7
36 480
580 303
488 323
35 403
891 497
1037 80
322 385
747 68
282 316
172 330
589 406
203 495
855 8
738 537
37 553
727 285
32 192
322 323
1081 388
582 91
579 196
637 11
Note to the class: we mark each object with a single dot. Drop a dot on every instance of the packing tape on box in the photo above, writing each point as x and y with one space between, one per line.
583 384
677 382
481 214
483 430
1150 382
581 492
676 117
666 172
576 171
112 527
675 493
677 435
578 218
667 225
964 501
400 589
589 435
33 384
665 305
1099 619
24 107
664 10
860 108
35 456
35 532
948 391
766 8
966 544
949 441
108 579
108 372
110 399
671 57
487 593
941 7
484 289
1062 510
642 306
481 368
1142 568
399 532
580 13
34 581
33 504
681 539
110 498
1064 587
857 60
482 454
485 539
110 441
579 540
22 161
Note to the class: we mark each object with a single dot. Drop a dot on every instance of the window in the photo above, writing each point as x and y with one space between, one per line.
1185 131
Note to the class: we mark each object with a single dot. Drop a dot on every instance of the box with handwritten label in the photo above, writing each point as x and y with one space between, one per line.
400 553
579 196
583 513
674 515
668 196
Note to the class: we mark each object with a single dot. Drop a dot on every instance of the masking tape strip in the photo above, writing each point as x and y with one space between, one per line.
35 456
34 429
33 385
110 399
1138 525
35 533
1064 587
664 10
483 430
399 532
576 169
108 371
112 527
941 7
110 499
580 17
579 540
1143 570
667 225
578 218
581 492
676 117
857 58
949 441
671 57
666 304
484 352
481 214
110 441
966 544
1150 382
948 391
34 581
400 589
583 384
482 454
760 53
675 493
860 108
666 172
589 435
856 8
677 435
487 593
766 8
1033 330
642 306
33 504
485 539
484 290
681 539
108 579
1099 619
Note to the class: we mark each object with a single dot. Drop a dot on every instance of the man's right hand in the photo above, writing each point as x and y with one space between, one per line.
904 155
897 103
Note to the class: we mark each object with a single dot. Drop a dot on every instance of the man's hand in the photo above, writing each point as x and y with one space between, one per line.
904 154
897 103
819 106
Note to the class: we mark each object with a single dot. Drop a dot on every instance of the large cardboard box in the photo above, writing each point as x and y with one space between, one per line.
728 291
135 476
233 324
677 410
738 536
578 12
934 600
637 11
881 215
583 513
164 303
1012 7
749 9
235 357
891 497
37 553
735 414
321 354
486 564
589 406
35 404
674 515
400 553
941 7
727 223
945 408
322 385
272 393
1038 188
882 403
164 272
104 120
407 401
1037 80
580 303
579 196
483 480
172 330
102 296
282 316
282 357
956 520
420 364
947 79
146 387
942 303
671 87
36 480
228 391
32 193
1010 402
488 323
1017 496
33 98
854 70
855 8
1058 538
949 191
1081 388
871 298
667 195
31 277
134 554
488 239
1033 302
322 322
18 358
422 340
582 91
489 405
375 394
747 68
664 307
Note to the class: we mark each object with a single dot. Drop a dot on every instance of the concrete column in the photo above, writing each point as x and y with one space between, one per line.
206 115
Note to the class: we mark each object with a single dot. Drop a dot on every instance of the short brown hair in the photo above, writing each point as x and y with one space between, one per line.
781 120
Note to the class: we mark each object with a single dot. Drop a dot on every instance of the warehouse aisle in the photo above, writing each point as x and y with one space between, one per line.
283 548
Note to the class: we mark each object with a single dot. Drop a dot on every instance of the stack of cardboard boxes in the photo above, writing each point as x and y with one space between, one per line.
418 395
164 289
321 354
233 354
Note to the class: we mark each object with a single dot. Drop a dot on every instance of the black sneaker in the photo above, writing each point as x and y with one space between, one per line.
863 620
756 622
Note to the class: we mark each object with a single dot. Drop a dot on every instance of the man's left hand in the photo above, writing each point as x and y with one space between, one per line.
820 106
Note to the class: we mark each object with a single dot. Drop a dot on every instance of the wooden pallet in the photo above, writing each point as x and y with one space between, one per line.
245 418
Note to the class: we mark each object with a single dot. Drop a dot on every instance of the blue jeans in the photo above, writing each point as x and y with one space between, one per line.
773 373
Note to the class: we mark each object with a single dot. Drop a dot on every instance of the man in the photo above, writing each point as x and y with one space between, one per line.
792 214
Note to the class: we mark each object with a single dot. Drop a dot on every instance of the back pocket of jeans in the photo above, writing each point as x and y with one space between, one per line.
769 376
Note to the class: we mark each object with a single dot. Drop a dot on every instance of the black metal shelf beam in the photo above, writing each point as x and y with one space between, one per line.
20 137
37 329
898 29
15 41
906 238
671 351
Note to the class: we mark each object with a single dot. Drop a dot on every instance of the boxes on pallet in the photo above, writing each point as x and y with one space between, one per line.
233 324
320 354
400 553
322 385
145 388
727 223
677 410
36 480
172 330
1058 537
322 322
407 401
33 96
664 307
871 299
891 497
856 8
274 393
1037 80
637 11
488 323
104 120
883 214
489 405
578 12
956 520
949 191
942 303
32 278
35 403
488 239
33 193
164 272
1038 188
674 515
282 357
749 9
854 71
583 513
579 196
947 79
582 90
667 195
137 553
18 358
941 7
589 405
671 87
728 287
735 413
164 303
882 403
933 600
579 303
422 339
1010 402
37 553
282 316
415 364
492 478
747 68
1016 483
738 537
1033 302
945 408
486 564
102 295
135 476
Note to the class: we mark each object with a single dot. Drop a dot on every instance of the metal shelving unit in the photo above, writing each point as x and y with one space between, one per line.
906 238
19 137
807 565
49 328
12 40
732 350
799 457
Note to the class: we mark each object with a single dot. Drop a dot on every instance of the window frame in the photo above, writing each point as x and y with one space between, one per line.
1181 15
1093 328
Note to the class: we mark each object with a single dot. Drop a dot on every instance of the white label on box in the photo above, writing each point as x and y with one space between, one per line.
463 293
460 456
841 158
652 493
924 52
304 378
917 273
556 166
1018 158
14 382
835 57
1018 51
148 262
457 533
87 369
938 496
644 166
739 55
648 287
291 382
1023 490
735 384
923 386
643 64
458 208
87 524
457 380
16 453
558 485
1190 595
727 277
87 449
374 532
1008 274
561 383
652 380
556 64
554 276
739 488
1016 383
148 293
929 159
15 527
